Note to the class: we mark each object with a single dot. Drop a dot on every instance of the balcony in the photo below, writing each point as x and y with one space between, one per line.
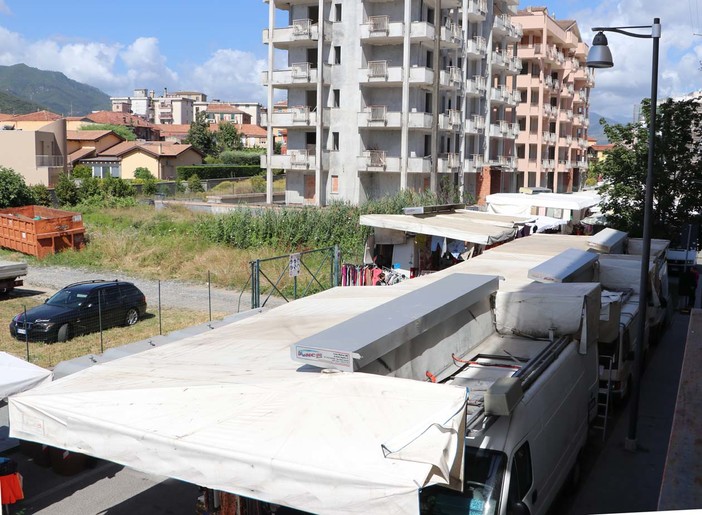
564 165
298 75
568 90
475 124
476 47
476 10
378 117
297 160
379 73
302 33
548 138
42 160
548 164
504 27
506 161
379 161
451 36
296 116
451 78
475 86
582 143
548 110
448 163
578 120
565 115
582 164
474 164
451 120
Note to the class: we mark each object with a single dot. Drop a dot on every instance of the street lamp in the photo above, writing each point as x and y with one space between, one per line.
600 56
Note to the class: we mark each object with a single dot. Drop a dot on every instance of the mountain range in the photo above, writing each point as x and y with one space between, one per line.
24 89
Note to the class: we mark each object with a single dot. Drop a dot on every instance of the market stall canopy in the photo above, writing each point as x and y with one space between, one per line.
463 225
231 411
521 203
17 375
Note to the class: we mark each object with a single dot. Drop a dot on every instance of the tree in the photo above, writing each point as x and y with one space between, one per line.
66 191
194 184
121 130
82 172
14 192
201 137
42 196
228 137
143 173
677 191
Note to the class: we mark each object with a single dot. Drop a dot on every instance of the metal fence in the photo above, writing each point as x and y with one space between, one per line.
294 275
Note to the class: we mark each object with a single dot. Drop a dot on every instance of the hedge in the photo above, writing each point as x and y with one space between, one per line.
217 171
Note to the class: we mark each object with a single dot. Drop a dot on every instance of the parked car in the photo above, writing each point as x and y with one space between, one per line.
81 308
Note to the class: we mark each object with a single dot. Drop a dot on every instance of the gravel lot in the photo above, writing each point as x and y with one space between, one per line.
175 294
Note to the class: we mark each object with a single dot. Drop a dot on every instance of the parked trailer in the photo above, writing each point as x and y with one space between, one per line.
40 231
10 273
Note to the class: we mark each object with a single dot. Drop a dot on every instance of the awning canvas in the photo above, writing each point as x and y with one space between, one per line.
231 411
17 375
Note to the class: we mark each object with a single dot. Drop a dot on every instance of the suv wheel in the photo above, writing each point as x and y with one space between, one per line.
132 317
64 333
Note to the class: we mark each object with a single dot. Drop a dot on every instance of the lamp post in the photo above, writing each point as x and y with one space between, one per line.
600 56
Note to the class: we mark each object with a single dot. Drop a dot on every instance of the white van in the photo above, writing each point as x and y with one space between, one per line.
535 399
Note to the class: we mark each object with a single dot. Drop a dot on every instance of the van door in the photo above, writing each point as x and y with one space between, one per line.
522 494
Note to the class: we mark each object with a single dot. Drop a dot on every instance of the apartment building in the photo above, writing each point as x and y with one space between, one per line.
553 115
394 94
169 108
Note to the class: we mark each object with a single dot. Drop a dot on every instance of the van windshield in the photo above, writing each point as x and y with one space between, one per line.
483 473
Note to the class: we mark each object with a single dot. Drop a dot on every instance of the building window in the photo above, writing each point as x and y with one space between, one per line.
520 151
523 95
337 14
335 179
535 70
336 98
337 55
335 141
535 97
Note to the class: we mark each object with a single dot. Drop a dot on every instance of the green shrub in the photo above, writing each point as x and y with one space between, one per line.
143 173
194 184
42 196
67 191
258 184
82 172
14 191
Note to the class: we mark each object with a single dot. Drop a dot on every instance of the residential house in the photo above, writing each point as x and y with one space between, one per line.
84 144
223 112
161 158
34 145
142 129
169 108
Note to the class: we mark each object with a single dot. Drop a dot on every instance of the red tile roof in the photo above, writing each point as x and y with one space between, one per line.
39 116
113 118
155 148
223 108
81 153
87 135
600 148
252 130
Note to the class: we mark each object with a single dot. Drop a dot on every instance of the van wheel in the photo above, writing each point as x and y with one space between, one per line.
64 333
132 317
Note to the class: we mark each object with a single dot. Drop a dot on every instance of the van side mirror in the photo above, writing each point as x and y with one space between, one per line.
519 508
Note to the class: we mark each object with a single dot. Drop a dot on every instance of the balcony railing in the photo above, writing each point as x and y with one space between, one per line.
454 117
377 113
377 69
301 70
453 161
301 114
302 28
476 46
299 158
379 24
49 160
477 8
376 158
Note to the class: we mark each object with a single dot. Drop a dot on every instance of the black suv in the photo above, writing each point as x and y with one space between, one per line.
81 308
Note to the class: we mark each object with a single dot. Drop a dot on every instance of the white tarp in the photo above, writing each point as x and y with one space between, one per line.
520 204
17 375
231 411
462 226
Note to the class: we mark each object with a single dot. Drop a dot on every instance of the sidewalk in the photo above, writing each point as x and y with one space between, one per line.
625 481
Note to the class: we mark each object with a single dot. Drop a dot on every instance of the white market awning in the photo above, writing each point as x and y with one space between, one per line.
17 375
474 227
231 411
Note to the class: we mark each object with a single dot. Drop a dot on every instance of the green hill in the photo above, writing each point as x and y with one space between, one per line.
52 90
10 104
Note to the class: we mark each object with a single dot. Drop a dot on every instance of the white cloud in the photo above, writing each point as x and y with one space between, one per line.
619 89
146 65
4 8
230 75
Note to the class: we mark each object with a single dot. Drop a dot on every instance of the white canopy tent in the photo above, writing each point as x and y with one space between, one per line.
17 375
231 411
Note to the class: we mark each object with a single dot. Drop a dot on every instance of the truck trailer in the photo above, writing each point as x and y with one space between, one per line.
11 273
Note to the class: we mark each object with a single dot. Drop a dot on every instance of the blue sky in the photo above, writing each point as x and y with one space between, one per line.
216 47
